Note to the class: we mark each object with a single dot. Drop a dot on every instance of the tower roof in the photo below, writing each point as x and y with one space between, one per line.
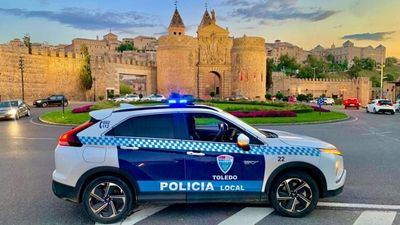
176 20
206 19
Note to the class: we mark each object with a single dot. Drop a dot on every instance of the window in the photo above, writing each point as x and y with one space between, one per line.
152 126
53 97
209 127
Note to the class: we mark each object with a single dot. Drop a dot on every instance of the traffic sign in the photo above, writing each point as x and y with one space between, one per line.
320 101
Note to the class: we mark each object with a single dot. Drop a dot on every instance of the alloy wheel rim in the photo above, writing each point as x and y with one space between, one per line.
107 200
294 195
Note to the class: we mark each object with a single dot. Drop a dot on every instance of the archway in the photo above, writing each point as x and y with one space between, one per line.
213 85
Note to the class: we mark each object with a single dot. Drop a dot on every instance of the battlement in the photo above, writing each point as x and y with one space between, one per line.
60 53
254 43
279 75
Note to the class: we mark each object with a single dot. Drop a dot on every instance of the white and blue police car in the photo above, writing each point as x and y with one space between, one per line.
193 153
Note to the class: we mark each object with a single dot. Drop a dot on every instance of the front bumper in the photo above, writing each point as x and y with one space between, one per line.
340 186
65 192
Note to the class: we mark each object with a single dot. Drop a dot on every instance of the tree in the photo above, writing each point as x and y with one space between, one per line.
390 61
126 46
356 68
86 72
368 63
375 82
125 88
279 95
287 64
270 69
389 77
27 42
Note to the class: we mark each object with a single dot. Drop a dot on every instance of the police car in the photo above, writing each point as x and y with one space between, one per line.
190 153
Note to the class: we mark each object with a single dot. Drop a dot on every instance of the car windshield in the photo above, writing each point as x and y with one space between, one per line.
8 104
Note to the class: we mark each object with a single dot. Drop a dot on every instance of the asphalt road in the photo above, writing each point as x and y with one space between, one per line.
370 143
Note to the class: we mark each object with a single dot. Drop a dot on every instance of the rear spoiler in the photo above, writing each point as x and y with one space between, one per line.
104 113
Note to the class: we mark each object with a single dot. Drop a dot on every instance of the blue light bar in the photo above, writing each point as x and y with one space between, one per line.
172 101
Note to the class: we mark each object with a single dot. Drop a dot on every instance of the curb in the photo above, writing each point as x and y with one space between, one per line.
305 123
55 124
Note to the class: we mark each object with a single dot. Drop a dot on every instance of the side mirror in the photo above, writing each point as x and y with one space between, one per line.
243 142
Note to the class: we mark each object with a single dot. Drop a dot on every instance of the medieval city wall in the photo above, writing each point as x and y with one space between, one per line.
57 72
344 88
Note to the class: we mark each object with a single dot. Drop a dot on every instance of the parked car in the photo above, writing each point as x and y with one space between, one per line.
14 109
53 100
128 98
351 102
155 98
329 101
237 98
397 105
380 106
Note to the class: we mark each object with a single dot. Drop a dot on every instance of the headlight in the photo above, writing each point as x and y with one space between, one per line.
339 168
12 111
39 101
332 151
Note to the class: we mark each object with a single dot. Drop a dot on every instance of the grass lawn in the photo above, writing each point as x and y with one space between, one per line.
79 118
68 118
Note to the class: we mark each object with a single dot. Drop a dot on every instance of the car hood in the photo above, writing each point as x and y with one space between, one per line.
300 140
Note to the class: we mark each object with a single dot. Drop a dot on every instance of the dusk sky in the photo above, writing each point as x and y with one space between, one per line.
302 22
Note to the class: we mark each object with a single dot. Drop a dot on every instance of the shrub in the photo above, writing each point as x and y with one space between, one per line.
338 101
279 95
82 109
268 96
301 97
267 113
101 97
320 109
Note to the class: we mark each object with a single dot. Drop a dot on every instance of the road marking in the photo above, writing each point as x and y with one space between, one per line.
376 218
248 215
142 214
359 206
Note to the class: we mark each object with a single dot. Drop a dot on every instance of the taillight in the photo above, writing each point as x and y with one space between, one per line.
70 138
378 104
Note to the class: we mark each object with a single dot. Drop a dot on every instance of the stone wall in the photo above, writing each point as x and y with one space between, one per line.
51 72
344 88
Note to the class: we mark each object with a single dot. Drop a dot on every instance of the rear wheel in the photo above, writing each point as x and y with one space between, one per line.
28 113
107 199
375 111
392 112
366 109
294 194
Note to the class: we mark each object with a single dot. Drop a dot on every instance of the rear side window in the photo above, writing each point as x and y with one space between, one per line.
152 126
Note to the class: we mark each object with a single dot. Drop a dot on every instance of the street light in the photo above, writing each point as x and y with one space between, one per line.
380 68
21 66
314 68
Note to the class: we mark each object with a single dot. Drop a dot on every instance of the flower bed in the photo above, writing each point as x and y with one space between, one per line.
82 109
265 113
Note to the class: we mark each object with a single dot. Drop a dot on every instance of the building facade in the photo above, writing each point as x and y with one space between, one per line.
347 52
211 64
278 48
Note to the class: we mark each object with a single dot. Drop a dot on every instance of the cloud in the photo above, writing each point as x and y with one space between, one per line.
89 19
235 2
279 10
378 36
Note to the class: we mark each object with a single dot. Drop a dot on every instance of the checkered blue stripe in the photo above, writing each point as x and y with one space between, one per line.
189 145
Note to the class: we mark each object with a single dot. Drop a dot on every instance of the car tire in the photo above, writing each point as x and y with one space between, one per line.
366 109
292 202
28 113
44 105
375 111
17 116
65 104
112 210
392 112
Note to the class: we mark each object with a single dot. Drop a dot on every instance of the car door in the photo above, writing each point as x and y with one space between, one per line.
148 149
52 100
219 170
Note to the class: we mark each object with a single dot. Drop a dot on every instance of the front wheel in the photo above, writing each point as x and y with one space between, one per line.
44 105
107 199
28 113
295 194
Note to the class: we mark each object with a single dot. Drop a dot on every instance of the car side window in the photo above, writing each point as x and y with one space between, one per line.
151 126
209 127
52 97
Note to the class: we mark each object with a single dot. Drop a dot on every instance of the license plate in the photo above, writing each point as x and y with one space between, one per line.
351 104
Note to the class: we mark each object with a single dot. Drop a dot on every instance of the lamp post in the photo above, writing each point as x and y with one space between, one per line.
21 66
314 68
380 68
94 89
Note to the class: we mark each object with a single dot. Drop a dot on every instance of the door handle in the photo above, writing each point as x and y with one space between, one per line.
129 148
196 153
